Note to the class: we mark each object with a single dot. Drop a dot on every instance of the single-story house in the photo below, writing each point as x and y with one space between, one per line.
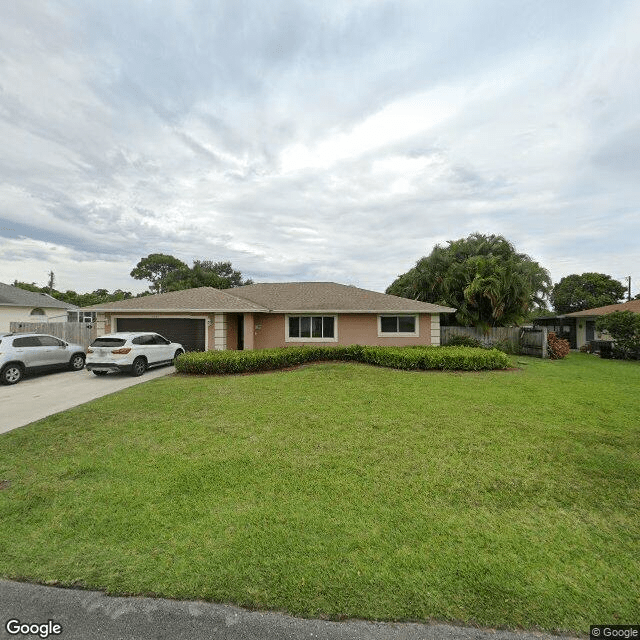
579 327
260 316
18 305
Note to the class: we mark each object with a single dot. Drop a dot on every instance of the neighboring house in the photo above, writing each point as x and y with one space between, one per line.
18 305
260 316
586 320
579 327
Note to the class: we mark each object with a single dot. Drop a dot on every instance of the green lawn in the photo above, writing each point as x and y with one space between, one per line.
506 499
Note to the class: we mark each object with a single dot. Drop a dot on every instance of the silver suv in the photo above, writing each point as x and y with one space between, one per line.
27 352
132 352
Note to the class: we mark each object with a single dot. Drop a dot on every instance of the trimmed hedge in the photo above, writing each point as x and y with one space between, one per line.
411 358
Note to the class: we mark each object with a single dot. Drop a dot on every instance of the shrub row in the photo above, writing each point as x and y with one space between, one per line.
411 358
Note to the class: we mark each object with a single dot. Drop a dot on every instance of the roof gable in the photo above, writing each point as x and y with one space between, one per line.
198 299
279 297
16 297
286 297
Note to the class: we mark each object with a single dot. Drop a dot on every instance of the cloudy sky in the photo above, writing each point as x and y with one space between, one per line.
305 140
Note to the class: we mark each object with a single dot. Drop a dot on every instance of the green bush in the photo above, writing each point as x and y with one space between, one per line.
507 346
410 358
463 341
624 327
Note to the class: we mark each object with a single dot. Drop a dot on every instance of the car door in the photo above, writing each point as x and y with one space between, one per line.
150 347
28 351
53 352
165 348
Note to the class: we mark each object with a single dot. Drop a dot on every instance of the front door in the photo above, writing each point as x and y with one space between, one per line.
240 331
590 328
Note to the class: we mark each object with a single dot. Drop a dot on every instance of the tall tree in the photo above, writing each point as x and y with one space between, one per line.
586 291
205 273
155 268
483 277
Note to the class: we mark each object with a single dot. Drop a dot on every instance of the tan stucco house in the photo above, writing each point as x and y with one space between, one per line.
18 305
260 316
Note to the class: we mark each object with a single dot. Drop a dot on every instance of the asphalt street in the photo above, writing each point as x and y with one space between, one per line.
90 615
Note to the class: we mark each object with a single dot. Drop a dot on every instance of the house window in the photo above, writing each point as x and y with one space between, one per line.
403 325
81 316
38 312
311 328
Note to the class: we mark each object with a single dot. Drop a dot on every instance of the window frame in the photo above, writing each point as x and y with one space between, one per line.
23 342
399 334
56 342
288 338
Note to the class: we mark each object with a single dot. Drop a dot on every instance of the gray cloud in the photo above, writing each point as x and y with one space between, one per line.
306 140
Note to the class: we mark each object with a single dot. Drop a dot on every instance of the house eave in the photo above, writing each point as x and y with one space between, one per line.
179 311
363 311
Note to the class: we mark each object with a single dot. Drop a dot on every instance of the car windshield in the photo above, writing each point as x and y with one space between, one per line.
108 342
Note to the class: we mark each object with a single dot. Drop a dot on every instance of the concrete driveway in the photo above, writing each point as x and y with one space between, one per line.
41 395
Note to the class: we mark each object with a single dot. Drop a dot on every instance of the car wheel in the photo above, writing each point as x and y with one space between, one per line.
176 354
11 374
139 366
77 362
99 373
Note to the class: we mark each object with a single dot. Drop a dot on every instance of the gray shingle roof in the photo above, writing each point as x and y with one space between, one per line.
329 296
16 297
282 297
199 299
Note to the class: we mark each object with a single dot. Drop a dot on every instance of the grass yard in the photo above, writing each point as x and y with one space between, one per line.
507 499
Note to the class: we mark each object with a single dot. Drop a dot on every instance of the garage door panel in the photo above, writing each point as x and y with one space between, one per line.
189 332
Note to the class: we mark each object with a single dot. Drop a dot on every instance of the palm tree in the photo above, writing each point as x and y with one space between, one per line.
483 277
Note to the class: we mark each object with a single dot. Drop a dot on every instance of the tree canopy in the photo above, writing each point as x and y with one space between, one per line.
155 268
482 276
79 299
205 273
167 273
586 291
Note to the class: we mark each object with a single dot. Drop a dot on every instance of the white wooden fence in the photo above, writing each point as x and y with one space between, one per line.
76 332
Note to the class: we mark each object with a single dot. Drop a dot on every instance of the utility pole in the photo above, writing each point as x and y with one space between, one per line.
52 282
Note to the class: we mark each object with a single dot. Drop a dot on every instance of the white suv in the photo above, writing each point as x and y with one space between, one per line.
132 352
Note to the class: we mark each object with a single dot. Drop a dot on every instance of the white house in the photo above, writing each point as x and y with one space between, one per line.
18 305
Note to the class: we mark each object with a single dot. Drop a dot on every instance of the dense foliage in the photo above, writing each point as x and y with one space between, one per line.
463 341
167 273
205 273
483 277
417 358
155 268
98 296
624 328
585 291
